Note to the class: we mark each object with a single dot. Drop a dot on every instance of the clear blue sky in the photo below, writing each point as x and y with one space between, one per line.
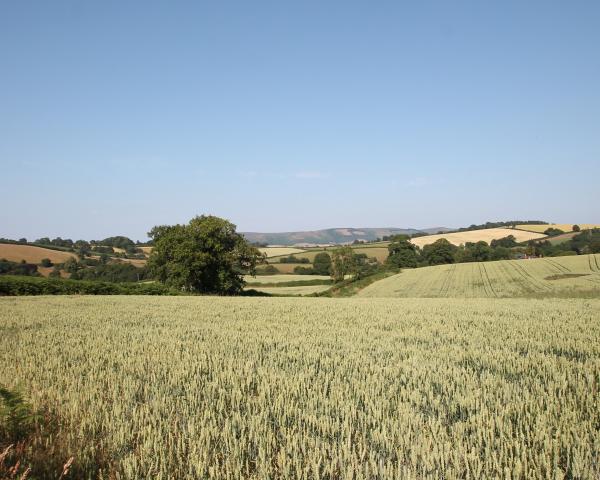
117 116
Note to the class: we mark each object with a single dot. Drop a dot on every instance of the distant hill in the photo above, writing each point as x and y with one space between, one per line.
332 235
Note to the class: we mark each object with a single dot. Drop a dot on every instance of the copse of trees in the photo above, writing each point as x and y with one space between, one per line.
206 255
402 253
293 259
439 252
510 223
322 264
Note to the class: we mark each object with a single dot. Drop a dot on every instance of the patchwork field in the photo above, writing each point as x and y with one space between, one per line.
487 235
279 251
32 254
565 227
199 387
295 290
544 277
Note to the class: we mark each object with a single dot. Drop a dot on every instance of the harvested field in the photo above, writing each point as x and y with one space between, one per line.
580 276
487 235
32 254
565 227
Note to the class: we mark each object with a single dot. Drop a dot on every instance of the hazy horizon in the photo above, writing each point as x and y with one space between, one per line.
291 117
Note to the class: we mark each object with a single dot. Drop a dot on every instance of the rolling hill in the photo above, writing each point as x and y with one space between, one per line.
543 277
331 235
487 235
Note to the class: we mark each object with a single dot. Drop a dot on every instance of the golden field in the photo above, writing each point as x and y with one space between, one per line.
32 254
543 277
307 388
487 235
565 227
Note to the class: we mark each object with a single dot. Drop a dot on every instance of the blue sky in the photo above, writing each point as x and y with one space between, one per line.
118 116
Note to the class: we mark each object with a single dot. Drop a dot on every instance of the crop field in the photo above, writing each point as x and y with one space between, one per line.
284 278
379 252
487 235
543 277
279 251
211 387
295 290
32 254
288 268
565 227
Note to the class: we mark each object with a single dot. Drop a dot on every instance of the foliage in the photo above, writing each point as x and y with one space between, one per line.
342 263
112 272
439 252
284 388
14 268
267 270
206 256
402 253
46 262
13 285
293 259
507 242
472 252
553 232
322 263
576 228
299 270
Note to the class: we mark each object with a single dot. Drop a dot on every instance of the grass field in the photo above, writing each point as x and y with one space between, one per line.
288 268
32 254
380 252
565 227
487 235
284 278
198 387
544 277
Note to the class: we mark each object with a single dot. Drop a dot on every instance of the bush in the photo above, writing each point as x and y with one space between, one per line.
268 270
18 286
46 262
304 270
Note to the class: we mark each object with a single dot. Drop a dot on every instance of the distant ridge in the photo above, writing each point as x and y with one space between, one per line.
332 235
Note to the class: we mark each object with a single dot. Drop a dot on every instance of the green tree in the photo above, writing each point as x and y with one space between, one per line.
322 264
46 262
402 253
576 228
207 256
439 252
342 263
474 252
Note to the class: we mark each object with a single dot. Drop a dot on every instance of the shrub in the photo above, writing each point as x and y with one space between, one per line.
46 262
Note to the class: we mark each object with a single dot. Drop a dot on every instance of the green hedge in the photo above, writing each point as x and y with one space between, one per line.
14 285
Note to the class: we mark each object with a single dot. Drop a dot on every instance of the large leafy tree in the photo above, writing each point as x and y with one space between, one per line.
402 253
207 256
322 264
439 252
342 263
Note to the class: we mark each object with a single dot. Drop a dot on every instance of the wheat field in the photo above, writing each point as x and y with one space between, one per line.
486 235
286 388
32 254
543 277
565 227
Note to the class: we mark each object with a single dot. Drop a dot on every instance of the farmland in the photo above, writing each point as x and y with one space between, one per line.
486 235
197 387
284 278
32 254
544 277
565 227
279 251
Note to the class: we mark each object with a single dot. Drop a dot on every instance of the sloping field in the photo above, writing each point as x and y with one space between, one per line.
291 388
487 235
32 254
279 251
565 227
543 277
379 252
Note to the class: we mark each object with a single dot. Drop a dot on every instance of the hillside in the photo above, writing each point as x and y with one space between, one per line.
565 227
487 235
32 254
330 235
544 277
